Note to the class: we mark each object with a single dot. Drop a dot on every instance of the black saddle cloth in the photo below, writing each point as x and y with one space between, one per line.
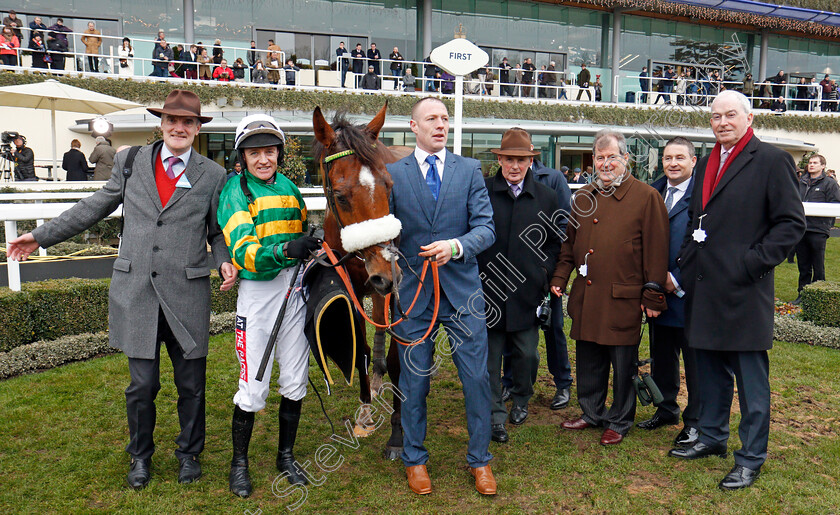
334 328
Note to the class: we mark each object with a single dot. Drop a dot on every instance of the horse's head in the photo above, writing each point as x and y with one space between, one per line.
357 187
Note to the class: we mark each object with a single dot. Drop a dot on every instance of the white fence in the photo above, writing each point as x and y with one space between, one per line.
40 211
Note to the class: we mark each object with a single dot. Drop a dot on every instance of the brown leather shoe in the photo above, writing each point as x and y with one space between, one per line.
485 483
576 424
418 479
610 437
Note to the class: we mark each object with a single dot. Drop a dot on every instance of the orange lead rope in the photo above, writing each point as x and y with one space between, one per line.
342 273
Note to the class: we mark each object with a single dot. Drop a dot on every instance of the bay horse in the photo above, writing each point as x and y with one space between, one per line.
357 186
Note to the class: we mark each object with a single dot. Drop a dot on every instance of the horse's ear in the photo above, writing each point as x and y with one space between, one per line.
323 132
378 121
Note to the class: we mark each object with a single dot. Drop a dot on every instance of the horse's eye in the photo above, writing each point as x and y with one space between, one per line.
341 199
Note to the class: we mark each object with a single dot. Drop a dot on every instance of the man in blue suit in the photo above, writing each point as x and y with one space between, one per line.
445 211
667 331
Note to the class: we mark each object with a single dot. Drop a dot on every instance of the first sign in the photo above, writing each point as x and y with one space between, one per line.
459 57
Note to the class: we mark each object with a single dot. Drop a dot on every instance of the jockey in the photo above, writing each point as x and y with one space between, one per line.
263 217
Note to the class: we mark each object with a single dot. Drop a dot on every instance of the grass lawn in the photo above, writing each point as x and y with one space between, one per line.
64 430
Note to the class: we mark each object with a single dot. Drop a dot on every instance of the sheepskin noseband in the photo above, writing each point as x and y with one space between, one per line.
362 235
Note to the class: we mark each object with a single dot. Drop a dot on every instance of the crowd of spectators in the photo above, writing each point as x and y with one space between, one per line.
49 46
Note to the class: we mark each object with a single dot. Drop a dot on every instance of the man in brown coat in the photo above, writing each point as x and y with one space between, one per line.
93 42
617 240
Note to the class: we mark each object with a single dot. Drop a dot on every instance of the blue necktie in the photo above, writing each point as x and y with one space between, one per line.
432 177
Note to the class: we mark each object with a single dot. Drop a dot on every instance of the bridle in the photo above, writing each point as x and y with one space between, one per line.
390 251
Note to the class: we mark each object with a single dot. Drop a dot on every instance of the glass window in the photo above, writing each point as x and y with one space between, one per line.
303 49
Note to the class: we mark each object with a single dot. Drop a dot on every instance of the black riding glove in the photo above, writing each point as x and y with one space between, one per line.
301 247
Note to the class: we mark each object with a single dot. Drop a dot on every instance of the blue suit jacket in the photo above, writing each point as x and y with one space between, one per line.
674 316
461 211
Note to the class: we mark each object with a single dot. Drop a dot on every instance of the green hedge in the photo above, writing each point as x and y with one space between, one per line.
42 355
47 310
821 303
259 98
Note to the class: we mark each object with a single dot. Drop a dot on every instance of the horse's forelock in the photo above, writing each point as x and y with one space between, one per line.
351 137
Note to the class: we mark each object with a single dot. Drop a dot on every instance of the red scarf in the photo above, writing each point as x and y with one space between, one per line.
712 178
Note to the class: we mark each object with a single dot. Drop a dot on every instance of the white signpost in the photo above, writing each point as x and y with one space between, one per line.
459 57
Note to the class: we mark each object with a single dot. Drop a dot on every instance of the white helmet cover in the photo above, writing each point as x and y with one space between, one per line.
258 124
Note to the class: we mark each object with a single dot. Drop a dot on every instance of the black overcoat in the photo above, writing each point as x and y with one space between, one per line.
529 244
751 222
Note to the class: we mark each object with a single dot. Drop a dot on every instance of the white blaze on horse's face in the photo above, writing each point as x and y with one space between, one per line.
366 179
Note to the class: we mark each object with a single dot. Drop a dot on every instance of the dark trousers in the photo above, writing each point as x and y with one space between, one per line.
556 351
581 91
524 360
810 258
666 345
145 384
593 376
93 63
468 345
751 370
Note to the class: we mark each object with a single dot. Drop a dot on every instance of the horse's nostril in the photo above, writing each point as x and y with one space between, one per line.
380 283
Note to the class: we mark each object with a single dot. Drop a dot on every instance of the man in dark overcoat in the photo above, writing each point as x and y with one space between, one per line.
745 217
667 331
617 240
515 272
160 289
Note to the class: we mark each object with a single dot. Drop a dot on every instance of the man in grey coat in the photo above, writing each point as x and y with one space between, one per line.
160 288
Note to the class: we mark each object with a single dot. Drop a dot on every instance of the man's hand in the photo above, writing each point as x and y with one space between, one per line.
229 275
650 312
440 250
557 291
21 247
670 287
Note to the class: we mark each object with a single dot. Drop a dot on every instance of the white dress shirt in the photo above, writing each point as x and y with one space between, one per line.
440 161
679 193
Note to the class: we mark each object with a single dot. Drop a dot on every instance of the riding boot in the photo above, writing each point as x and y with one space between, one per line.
240 480
289 419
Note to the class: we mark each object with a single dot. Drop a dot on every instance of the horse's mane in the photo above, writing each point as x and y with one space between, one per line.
350 137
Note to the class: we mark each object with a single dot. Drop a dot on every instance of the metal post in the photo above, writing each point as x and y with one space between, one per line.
459 113
762 56
12 267
427 28
616 52
52 124
189 22
39 222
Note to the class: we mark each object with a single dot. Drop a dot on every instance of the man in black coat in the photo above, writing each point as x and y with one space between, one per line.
24 161
513 292
342 63
75 163
667 331
745 217
815 186
556 347
374 56
506 87
527 76
358 57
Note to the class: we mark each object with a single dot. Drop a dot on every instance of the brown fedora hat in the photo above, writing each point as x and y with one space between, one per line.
181 102
516 142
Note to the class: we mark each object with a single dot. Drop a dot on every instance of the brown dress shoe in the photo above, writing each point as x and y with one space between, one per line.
610 437
576 424
418 479
485 483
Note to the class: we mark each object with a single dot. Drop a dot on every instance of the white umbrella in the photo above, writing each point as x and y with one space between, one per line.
55 96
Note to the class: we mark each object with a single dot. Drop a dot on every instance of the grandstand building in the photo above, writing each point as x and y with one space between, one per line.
614 38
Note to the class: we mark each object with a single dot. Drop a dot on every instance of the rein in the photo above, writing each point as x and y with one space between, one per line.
338 265
427 263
